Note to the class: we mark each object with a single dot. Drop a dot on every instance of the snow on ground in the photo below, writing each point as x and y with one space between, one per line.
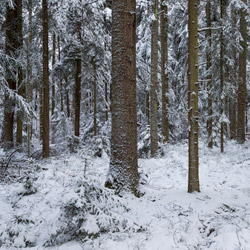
217 218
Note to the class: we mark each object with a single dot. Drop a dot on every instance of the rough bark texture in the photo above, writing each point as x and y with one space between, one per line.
154 82
21 88
77 96
123 171
164 75
241 133
193 173
10 50
45 81
209 85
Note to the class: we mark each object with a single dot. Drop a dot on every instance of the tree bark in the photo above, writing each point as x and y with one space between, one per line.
10 50
21 88
241 132
209 76
123 170
60 77
45 80
95 99
164 75
222 6
193 173
53 97
154 82
77 97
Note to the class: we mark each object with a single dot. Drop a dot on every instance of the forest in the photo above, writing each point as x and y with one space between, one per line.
125 124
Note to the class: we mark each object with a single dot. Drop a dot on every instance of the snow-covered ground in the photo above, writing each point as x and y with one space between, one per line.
217 218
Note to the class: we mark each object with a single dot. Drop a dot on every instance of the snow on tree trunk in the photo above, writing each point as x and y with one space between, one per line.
123 171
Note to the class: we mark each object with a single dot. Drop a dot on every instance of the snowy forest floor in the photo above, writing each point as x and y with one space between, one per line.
32 211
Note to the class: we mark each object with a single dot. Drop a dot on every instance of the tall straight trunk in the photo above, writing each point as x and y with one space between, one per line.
241 132
95 100
68 104
45 80
11 41
164 75
123 171
106 101
233 120
222 5
193 173
60 78
209 76
154 82
53 84
77 96
41 111
28 73
21 88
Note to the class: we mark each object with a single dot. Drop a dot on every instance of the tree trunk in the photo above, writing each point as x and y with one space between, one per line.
193 173
77 97
60 77
10 50
45 80
154 82
164 75
95 104
21 88
29 72
41 110
123 171
209 76
222 80
53 97
242 78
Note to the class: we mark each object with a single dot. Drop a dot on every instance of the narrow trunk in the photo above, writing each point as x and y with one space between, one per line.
193 173
10 49
29 72
77 97
61 83
53 84
95 94
209 76
41 110
233 121
164 75
242 78
154 82
19 136
221 80
123 171
45 80
106 101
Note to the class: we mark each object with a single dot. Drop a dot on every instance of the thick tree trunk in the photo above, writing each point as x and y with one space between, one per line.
77 97
45 80
21 88
209 76
241 132
164 75
154 82
123 171
193 173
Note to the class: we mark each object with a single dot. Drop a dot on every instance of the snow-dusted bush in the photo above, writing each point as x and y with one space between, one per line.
89 211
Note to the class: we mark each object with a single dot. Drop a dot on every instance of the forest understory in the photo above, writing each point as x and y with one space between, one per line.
61 203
